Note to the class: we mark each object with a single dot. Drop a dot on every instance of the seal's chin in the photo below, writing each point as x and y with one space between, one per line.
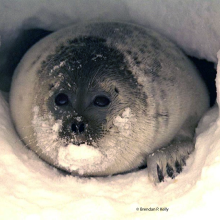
80 143
82 160
81 140
77 140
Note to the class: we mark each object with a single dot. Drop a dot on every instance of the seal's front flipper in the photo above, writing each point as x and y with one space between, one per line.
168 161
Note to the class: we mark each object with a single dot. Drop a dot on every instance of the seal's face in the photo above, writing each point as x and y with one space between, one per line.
85 86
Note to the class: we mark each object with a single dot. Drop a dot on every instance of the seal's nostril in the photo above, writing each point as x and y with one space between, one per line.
74 128
81 128
78 128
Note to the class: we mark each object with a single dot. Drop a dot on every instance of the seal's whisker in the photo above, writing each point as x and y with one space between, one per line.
94 76
22 140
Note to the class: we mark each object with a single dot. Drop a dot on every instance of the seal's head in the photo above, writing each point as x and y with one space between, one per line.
85 95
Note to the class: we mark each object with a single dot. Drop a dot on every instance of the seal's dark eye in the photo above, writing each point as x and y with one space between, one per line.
101 101
61 99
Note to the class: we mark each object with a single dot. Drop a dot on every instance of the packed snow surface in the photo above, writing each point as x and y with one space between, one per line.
32 190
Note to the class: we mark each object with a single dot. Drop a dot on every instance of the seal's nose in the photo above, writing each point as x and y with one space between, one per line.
78 128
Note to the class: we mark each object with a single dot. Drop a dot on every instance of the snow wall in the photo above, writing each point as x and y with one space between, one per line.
30 189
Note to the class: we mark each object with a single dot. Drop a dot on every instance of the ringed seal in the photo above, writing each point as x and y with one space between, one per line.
104 98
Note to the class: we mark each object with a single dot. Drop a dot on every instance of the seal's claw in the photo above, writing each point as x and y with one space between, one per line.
170 171
160 174
168 161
